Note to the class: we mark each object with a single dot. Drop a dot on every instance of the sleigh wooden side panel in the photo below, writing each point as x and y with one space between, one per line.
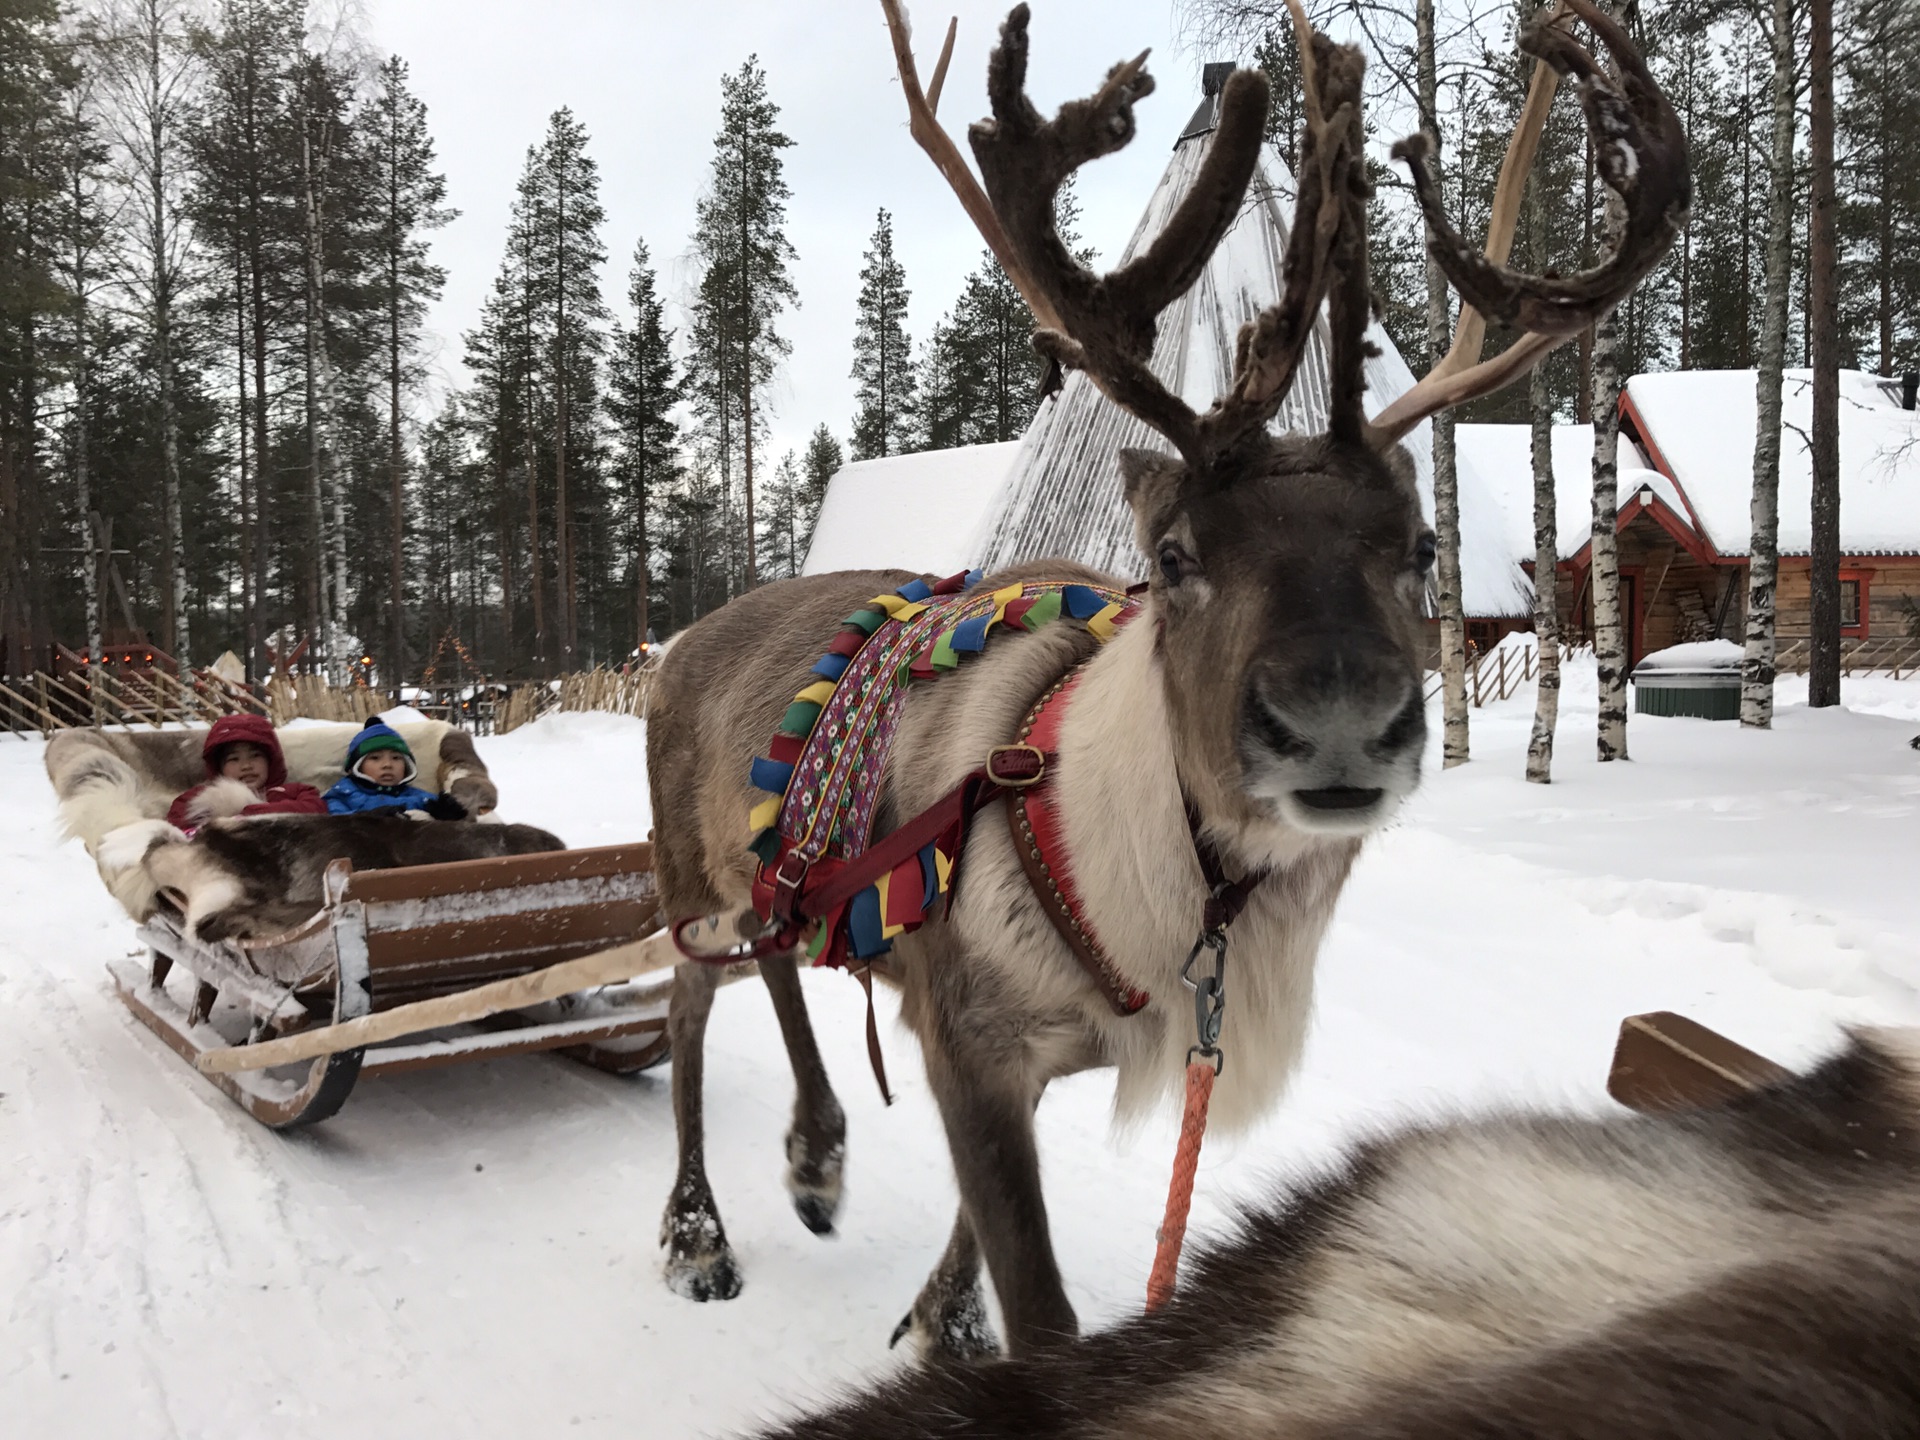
1664 1061
388 938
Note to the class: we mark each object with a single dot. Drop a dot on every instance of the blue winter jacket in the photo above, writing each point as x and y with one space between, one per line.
354 796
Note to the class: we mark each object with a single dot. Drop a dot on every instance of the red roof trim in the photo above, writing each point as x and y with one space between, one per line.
1668 519
1632 421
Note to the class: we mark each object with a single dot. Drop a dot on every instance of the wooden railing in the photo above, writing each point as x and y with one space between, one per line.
1496 674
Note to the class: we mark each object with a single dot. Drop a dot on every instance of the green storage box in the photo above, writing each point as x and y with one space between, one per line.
1701 679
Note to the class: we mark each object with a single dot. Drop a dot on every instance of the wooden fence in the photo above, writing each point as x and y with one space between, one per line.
1495 674
41 703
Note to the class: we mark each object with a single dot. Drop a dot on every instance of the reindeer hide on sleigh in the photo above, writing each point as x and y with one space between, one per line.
115 788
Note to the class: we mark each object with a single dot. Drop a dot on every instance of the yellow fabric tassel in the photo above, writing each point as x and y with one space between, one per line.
766 813
942 868
817 693
1101 625
897 607
887 932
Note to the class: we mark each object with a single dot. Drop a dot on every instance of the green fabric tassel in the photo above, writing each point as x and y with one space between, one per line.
1044 611
799 718
865 621
944 657
766 845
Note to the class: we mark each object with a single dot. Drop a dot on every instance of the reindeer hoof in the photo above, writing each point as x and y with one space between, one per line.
705 1277
813 1176
816 1212
956 1330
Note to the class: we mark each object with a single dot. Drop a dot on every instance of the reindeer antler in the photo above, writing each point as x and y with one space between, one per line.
1106 324
1642 153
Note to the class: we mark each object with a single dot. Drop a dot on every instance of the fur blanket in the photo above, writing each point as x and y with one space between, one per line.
115 787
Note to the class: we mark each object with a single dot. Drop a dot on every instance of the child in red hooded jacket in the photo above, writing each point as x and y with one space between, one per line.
246 775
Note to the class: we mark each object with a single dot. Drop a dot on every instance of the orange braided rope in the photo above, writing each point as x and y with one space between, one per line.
1186 1160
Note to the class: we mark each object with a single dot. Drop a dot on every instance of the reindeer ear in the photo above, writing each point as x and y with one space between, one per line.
1153 483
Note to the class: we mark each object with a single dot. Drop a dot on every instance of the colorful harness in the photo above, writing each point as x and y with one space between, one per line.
823 770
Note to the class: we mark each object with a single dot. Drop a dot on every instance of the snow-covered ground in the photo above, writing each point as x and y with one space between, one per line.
472 1251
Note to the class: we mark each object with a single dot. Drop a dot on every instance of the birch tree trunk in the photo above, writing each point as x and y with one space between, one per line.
1446 484
1546 562
1609 628
1756 665
1823 344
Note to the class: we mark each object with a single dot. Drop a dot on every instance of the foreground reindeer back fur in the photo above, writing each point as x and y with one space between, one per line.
1753 1271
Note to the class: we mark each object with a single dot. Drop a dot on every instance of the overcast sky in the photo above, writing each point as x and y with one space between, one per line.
644 78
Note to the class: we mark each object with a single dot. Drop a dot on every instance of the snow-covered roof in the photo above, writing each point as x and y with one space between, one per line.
918 512
1699 425
1495 464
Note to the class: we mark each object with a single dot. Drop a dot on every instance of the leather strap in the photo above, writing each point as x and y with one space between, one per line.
1041 846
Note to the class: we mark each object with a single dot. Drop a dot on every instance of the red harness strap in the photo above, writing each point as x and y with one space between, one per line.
1034 813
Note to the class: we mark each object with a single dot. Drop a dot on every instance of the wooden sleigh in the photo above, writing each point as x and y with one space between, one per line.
415 968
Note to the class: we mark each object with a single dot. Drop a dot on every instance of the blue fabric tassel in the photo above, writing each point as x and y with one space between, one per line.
864 927
974 577
930 872
915 590
831 666
1081 602
769 775
970 636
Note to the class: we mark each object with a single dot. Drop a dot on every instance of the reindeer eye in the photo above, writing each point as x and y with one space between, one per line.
1175 563
1423 552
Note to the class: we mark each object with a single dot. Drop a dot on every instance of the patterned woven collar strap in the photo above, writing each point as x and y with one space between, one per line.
1040 841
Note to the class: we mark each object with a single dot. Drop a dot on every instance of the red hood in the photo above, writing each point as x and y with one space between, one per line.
256 729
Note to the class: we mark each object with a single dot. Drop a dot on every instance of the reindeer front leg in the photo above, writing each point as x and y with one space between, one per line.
817 1139
987 1085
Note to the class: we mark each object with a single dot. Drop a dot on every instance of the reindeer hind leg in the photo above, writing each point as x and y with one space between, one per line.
949 1319
700 1262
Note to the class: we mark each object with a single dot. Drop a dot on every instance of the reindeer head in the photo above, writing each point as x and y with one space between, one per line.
1287 572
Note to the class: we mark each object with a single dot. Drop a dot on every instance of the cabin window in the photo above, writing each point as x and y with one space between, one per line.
1853 604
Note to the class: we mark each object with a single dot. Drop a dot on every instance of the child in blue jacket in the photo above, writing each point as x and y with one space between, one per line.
380 772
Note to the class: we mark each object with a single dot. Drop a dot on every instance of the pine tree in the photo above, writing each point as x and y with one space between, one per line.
1823 344
408 198
146 75
1879 125
35 77
883 366
741 243
560 200
246 158
821 463
644 386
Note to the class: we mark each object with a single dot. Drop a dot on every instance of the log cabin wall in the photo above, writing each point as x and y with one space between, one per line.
1885 587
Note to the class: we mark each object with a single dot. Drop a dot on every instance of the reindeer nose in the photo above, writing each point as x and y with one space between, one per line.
1338 734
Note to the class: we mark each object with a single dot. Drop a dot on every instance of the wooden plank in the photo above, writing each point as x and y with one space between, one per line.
467 877
1663 1061
623 962
467 942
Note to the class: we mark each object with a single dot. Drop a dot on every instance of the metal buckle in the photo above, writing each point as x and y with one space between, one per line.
1018 782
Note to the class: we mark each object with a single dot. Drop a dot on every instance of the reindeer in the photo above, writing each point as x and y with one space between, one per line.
1265 709
1751 1272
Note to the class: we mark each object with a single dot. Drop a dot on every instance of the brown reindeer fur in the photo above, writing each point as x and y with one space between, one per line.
1749 1272
1297 592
